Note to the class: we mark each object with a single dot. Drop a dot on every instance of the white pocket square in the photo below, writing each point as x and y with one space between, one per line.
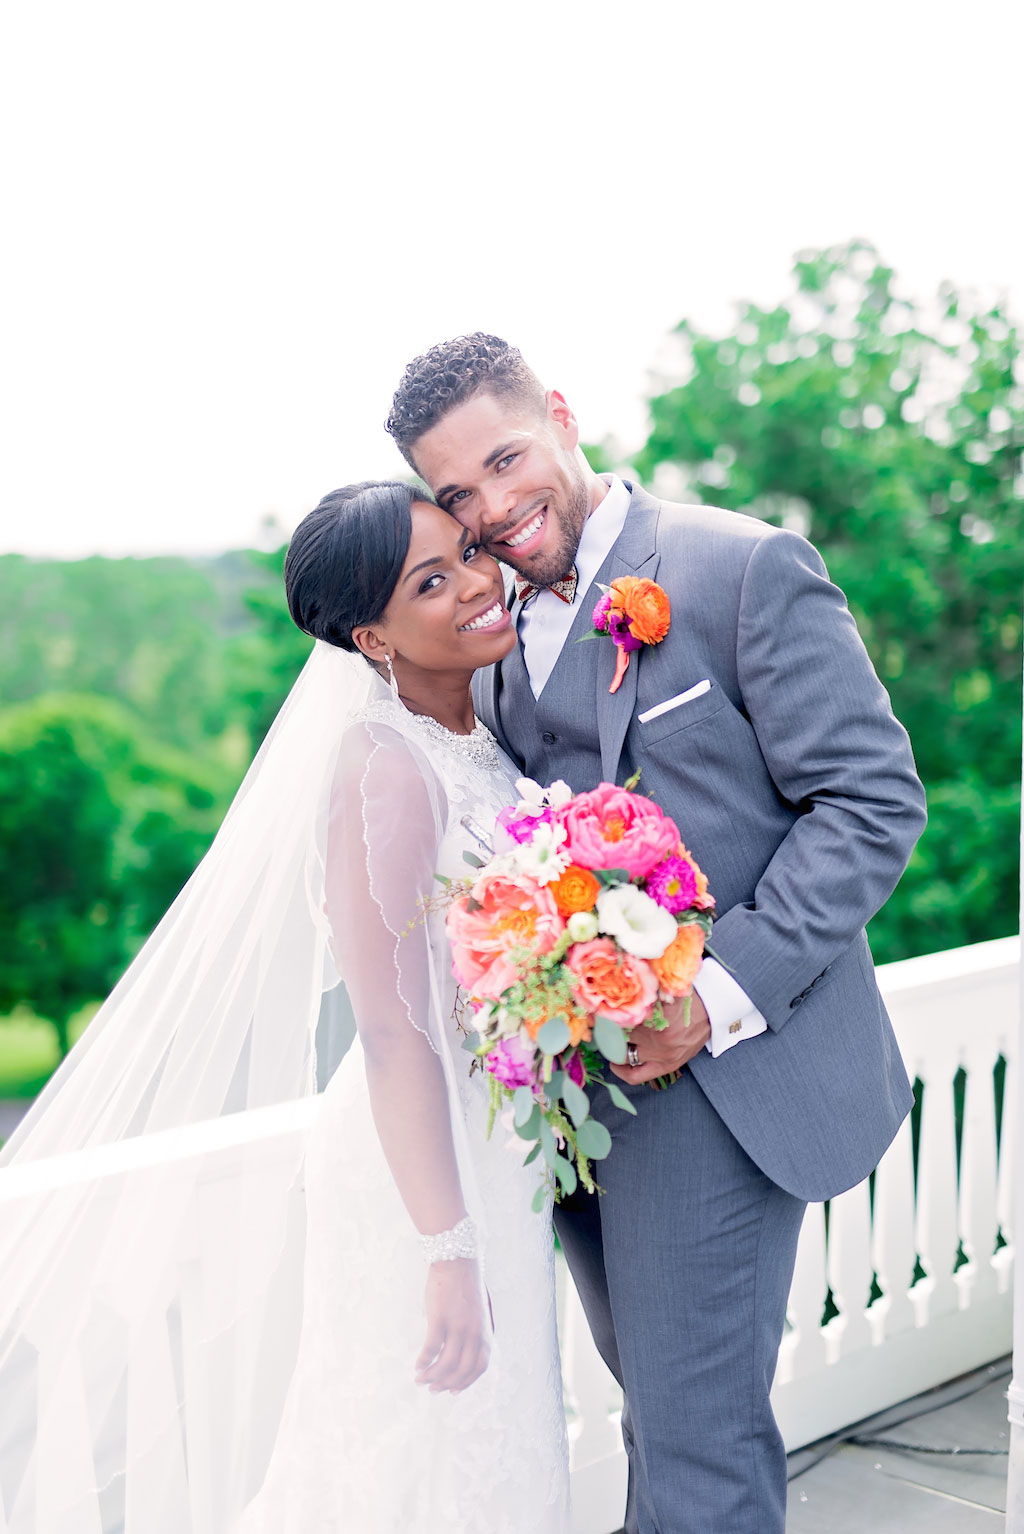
696 691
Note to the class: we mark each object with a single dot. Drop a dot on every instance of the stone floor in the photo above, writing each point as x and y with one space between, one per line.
885 1489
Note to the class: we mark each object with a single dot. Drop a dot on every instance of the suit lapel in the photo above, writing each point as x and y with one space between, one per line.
488 684
634 553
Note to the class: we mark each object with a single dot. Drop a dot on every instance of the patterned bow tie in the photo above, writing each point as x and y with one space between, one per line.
565 589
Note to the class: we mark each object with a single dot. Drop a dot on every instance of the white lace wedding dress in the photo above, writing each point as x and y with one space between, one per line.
361 1447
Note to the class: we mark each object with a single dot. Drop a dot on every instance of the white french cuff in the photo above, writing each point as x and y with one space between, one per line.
460 1241
731 1013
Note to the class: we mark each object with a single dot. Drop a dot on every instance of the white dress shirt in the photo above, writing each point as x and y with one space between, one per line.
544 624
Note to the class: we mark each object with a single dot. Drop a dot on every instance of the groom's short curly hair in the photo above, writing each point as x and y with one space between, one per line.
451 373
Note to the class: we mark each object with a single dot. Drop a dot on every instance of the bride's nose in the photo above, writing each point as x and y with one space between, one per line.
477 580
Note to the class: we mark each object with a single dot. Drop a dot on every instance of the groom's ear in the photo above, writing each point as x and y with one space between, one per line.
561 417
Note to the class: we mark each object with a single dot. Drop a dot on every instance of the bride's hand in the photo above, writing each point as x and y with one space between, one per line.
458 1341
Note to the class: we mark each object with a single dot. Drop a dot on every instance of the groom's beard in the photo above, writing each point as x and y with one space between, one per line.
558 561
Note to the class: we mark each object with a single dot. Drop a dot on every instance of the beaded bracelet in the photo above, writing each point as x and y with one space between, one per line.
460 1241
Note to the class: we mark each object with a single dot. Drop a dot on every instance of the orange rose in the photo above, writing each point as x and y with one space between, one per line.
677 968
576 890
580 1025
646 606
612 982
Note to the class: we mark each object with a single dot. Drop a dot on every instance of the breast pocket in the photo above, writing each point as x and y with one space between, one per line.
681 712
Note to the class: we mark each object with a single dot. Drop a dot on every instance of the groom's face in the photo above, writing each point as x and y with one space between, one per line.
509 473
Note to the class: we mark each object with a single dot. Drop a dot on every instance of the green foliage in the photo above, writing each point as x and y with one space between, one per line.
99 828
890 434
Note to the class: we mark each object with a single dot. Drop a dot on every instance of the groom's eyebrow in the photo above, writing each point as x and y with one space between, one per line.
435 559
488 463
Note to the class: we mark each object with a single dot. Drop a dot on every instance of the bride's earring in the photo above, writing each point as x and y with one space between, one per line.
392 681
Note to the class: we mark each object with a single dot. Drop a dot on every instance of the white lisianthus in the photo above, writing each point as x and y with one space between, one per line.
541 858
637 923
531 797
582 926
559 794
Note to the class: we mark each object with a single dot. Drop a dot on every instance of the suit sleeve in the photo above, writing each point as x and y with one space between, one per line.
834 750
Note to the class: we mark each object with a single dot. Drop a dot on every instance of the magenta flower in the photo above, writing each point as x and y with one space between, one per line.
511 1063
673 884
521 827
574 1068
599 617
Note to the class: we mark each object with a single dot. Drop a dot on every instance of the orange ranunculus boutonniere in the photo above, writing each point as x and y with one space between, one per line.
635 612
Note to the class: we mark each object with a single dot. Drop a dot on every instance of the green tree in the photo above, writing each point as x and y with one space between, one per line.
890 434
99 828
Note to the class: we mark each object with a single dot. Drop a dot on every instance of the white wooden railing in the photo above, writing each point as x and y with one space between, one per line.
950 1227
916 1275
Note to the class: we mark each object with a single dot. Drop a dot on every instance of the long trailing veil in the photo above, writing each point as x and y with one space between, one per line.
151 1291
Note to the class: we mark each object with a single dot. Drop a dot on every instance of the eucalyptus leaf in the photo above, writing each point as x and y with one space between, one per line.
522 1104
556 1086
533 1154
530 1128
540 1198
566 1174
612 875
473 860
610 1040
577 1102
619 1098
554 1036
471 1042
547 1142
593 1140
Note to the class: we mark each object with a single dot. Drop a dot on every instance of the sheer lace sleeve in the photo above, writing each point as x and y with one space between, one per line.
387 820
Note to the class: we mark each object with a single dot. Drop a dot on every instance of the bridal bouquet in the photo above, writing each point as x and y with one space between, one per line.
588 916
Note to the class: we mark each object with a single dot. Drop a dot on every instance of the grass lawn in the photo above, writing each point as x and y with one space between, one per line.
28 1051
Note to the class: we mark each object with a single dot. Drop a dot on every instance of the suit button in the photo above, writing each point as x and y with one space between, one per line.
548 738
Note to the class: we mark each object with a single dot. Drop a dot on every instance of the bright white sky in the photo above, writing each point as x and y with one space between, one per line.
229 225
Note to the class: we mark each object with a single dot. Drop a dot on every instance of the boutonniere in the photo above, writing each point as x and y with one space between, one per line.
635 612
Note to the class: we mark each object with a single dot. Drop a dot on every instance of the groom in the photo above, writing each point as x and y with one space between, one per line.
761 728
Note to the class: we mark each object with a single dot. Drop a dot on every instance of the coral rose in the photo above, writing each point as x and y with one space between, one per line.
612 828
645 604
611 982
507 914
576 890
678 966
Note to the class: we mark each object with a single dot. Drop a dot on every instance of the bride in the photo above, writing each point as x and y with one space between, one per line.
166 1367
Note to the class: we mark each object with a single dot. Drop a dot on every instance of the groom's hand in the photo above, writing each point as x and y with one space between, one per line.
667 1049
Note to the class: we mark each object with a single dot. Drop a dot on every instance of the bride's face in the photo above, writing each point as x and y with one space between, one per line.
448 609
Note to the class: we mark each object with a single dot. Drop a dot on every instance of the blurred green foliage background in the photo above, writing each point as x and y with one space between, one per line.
134 691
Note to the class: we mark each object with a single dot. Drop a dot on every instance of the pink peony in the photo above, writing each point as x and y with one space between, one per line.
612 828
509 913
511 1063
611 982
673 884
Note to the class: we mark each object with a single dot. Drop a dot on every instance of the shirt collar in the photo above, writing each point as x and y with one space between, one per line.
600 530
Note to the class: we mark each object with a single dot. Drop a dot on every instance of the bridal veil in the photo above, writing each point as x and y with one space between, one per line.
150 1239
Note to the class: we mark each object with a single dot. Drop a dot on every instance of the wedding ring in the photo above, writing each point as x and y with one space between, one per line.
632 1054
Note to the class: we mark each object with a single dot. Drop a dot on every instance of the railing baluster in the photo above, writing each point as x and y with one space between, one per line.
849 1266
937 1235
893 1233
978 1220
803 1352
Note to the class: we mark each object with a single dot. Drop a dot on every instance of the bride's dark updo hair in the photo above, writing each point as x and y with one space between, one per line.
345 558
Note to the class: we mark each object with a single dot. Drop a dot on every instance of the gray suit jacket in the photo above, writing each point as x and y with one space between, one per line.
794 787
